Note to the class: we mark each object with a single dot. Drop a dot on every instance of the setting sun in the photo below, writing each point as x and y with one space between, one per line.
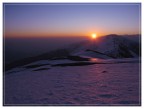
94 35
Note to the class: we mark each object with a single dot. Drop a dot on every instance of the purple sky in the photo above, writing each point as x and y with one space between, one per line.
25 20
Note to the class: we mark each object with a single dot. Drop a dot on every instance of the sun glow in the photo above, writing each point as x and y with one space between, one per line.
94 36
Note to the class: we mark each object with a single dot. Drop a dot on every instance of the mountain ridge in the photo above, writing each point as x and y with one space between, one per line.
106 47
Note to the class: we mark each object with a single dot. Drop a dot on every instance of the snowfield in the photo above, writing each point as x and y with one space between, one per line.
107 82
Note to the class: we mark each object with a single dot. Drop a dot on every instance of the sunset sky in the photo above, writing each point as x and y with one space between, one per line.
37 20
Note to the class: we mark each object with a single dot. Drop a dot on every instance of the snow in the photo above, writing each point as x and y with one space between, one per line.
60 61
114 46
91 54
73 80
114 83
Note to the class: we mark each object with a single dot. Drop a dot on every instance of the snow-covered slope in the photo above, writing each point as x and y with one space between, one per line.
110 46
65 82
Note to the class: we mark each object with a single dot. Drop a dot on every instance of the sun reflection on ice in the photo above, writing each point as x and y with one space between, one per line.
94 59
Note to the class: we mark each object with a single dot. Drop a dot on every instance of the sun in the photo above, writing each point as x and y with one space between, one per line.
93 36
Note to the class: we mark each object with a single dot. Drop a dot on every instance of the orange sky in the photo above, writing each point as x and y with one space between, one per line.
22 20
